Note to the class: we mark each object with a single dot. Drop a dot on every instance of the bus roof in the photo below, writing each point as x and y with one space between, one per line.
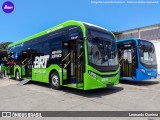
60 26
127 39
65 24
135 39
94 26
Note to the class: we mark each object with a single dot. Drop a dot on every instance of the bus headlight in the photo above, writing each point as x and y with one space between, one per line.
143 70
92 74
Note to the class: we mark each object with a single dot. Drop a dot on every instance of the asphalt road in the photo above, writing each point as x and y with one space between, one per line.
127 96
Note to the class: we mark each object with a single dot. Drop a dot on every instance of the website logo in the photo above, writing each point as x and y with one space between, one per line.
6 114
8 7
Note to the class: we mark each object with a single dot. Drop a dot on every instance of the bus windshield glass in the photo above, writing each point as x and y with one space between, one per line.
147 53
102 49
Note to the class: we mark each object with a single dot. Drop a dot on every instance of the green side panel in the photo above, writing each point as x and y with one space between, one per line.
99 82
43 74
3 68
37 74
8 71
23 72
64 74
75 86
17 67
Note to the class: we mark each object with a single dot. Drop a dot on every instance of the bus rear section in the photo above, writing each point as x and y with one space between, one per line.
137 59
73 54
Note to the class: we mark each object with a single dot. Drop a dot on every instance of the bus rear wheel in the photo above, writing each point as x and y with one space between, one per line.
17 75
55 80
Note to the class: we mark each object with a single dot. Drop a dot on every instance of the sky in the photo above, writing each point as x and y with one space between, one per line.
32 16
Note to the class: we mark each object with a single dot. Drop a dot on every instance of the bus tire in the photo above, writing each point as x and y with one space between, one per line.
55 80
17 75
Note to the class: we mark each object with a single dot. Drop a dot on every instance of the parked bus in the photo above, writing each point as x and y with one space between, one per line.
137 59
73 54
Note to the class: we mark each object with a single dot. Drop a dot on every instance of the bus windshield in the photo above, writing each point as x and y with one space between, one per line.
102 49
147 53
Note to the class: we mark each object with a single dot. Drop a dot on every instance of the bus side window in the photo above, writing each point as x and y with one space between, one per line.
37 50
46 47
56 43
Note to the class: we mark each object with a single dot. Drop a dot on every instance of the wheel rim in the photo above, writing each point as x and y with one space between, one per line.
55 80
17 76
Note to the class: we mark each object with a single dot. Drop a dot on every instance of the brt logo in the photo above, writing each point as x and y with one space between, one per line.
41 61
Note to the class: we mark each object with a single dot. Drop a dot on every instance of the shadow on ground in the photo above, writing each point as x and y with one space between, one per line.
88 93
140 83
93 93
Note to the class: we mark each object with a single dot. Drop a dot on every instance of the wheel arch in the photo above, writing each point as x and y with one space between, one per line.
54 70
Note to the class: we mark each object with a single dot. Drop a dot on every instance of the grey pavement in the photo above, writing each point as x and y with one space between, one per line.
127 96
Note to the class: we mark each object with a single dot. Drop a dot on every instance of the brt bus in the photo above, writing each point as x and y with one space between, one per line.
73 54
137 59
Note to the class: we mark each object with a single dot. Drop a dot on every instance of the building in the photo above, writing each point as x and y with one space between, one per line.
151 32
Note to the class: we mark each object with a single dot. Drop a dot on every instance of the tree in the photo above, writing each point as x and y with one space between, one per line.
4 46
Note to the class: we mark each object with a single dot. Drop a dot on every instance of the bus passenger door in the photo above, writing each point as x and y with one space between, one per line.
66 63
73 63
23 63
128 62
27 63
10 64
79 63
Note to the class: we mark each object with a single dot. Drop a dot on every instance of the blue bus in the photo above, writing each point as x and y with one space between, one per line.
137 59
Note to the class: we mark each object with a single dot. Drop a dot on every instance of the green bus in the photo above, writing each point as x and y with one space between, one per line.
73 54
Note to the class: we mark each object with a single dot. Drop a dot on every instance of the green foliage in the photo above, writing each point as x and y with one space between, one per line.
4 45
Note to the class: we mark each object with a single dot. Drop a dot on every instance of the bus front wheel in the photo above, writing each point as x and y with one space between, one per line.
55 80
17 75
